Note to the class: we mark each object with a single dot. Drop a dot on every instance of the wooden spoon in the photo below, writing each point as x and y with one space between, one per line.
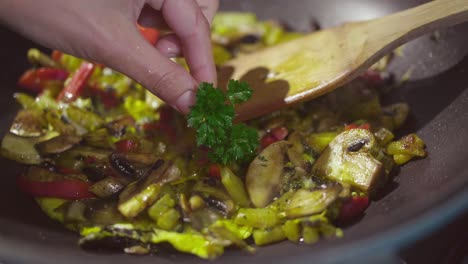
319 62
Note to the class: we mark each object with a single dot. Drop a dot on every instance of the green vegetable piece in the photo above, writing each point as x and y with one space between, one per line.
231 23
310 235
292 230
20 149
99 138
384 136
83 118
235 187
161 206
69 62
398 112
37 57
169 219
268 236
212 118
329 231
228 237
140 194
26 101
220 54
280 203
243 232
406 148
305 202
139 109
319 141
137 203
273 34
188 242
207 190
196 202
258 218
50 205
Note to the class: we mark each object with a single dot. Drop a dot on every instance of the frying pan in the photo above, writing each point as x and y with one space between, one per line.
424 195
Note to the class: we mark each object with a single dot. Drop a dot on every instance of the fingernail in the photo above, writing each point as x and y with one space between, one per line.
184 101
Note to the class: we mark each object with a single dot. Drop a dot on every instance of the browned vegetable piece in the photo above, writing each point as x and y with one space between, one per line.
264 174
406 148
140 194
351 158
58 144
99 138
107 187
29 123
296 151
118 127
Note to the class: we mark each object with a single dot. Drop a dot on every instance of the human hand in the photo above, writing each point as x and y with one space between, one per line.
105 31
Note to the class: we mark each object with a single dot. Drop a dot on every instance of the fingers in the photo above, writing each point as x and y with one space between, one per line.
187 21
209 8
152 17
142 62
170 46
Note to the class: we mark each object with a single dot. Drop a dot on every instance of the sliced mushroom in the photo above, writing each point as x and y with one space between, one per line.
107 187
351 158
122 165
263 178
58 144
304 202
28 123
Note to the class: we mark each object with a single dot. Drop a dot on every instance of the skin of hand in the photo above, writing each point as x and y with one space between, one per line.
105 31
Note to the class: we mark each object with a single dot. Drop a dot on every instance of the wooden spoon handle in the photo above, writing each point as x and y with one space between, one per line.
389 32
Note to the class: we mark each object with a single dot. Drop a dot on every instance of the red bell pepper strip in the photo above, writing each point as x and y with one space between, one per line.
353 208
214 171
279 133
150 34
108 98
164 124
65 189
275 134
373 77
36 79
126 145
77 83
365 126
267 140
56 55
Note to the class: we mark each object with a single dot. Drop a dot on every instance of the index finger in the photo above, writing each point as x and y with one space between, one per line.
186 19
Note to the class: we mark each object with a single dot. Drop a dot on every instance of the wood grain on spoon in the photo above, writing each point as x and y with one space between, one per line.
317 63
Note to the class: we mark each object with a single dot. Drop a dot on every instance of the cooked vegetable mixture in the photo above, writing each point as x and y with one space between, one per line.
109 160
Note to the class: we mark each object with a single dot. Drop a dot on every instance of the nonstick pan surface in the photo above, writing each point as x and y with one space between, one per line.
425 194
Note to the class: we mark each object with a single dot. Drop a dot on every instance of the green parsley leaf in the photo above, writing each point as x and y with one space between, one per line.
238 92
212 116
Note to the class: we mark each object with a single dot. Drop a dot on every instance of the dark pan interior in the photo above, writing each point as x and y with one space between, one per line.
423 196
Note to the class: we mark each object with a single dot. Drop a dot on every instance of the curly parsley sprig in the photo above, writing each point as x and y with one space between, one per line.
212 116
